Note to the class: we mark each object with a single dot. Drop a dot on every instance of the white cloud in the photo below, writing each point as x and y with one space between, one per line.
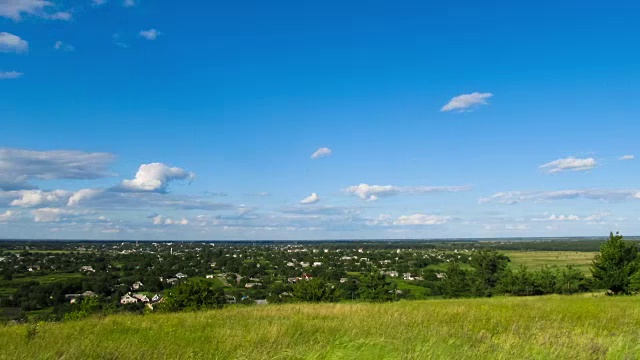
155 177
10 75
516 197
626 157
55 214
99 2
568 164
466 101
59 45
129 3
150 34
12 43
493 227
60 15
374 192
83 195
18 166
30 198
311 199
160 220
15 9
421 219
554 217
8 216
322 152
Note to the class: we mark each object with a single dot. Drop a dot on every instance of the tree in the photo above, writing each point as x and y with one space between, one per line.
456 282
316 290
375 287
194 294
489 266
616 263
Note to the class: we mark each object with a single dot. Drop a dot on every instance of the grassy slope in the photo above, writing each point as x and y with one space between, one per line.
537 259
500 328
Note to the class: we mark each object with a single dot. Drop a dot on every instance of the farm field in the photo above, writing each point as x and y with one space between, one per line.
585 326
537 259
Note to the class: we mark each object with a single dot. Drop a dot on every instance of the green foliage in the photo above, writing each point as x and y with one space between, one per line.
457 281
194 294
616 264
316 290
375 287
489 266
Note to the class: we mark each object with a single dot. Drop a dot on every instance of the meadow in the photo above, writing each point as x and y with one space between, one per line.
578 327
535 260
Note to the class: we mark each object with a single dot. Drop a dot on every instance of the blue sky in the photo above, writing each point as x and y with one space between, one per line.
156 120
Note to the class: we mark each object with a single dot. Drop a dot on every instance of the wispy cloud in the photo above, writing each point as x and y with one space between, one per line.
516 197
374 192
150 34
12 43
59 45
311 199
4 75
626 157
15 9
98 2
421 219
8 216
467 101
322 152
129 3
568 164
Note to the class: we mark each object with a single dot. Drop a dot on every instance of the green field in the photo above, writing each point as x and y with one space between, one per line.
546 327
8 287
537 259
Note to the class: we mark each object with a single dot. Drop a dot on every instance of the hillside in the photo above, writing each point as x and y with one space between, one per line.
587 326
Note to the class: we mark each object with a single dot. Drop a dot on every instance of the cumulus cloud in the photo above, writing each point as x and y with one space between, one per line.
10 75
160 220
18 166
150 34
516 197
568 164
626 157
155 177
55 214
374 192
311 199
12 43
59 45
467 101
83 195
15 9
421 219
31 198
8 216
322 152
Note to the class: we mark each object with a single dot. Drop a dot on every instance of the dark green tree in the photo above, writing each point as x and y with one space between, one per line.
375 287
316 290
456 283
616 264
194 294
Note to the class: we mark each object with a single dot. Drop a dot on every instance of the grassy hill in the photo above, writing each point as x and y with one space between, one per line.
577 327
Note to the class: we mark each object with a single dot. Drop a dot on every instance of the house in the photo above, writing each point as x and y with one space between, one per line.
290 264
73 298
317 263
141 297
392 273
292 280
213 264
343 280
33 268
89 294
181 275
87 269
250 285
156 298
304 264
307 276
128 299
407 276
253 279
441 275
209 276
361 250
230 299
172 281
137 285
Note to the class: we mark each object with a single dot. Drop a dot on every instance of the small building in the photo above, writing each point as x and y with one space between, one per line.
89 294
304 264
141 297
290 264
250 285
156 298
292 280
137 285
128 299
209 276
33 268
441 275
343 280
181 275
317 263
307 276
230 299
87 269
172 281
392 273
407 276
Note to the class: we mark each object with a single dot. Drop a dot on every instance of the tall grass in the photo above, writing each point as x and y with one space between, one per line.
549 327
